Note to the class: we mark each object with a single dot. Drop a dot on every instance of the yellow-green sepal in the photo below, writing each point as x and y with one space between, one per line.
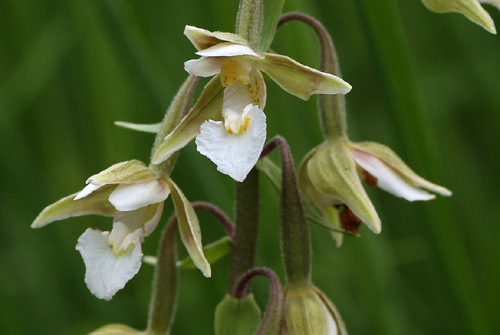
237 316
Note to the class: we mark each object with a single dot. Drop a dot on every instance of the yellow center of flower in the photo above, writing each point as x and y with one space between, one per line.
233 70
236 123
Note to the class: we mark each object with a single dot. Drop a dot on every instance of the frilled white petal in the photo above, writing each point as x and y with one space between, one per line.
87 190
204 66
239 95
234 155
228 49
106 273
128 197
388 179
128 226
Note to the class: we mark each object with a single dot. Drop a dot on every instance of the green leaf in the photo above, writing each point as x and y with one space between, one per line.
271 170
208 106
272 13
95 203
189 228
146 128
237 316
213 252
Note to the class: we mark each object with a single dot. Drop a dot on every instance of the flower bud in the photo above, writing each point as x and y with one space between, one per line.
308 311
116 330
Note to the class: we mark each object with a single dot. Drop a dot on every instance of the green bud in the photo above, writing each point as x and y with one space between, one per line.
309 311
237 316
470 8
116 330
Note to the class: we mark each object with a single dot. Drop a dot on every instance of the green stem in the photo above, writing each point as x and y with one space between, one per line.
250 20
180 105
246 233
331 108
165 284
295 237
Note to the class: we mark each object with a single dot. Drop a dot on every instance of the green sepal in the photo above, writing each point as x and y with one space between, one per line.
189 228
208 106
145 128
213 252
272 13
237 316
95 203
470 8
128 172
116 329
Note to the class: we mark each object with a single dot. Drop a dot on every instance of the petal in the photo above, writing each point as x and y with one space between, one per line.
390 159
228 49
234 155
388 179
133 171
128 226
208 106
128 197
333 173
87 190
106 273
300 80
239 95
95 203
203 67
189 228
203 39
470 8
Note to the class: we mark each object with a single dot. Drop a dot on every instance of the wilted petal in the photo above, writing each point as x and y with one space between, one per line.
234 155
301 80
128 197
106 273
189 229
128 226
95 203
203 67
388 179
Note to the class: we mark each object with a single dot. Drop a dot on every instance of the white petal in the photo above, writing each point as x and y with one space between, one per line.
106 273
87 190
203 67
239 95
228 49
234 155
388 179
127 226
128 197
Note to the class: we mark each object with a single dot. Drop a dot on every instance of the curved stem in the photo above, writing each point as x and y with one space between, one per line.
217 213
332 111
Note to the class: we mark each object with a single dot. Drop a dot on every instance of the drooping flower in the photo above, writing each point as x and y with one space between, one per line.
331 176
470 8
133 195
243 99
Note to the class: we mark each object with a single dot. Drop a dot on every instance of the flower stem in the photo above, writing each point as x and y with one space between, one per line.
271 321
246 234
295 238
165 284
332 111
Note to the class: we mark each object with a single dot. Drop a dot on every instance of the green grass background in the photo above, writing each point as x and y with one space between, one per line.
425 84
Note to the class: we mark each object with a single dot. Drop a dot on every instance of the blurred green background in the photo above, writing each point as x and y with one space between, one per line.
425 84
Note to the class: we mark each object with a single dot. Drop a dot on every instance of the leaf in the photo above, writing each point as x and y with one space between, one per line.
213 252
146 128
272 13
189 228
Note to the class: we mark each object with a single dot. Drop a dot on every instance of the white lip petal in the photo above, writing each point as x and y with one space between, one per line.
106 273
128 197
388 179
234 155
86 191
228 49
239 95
203 67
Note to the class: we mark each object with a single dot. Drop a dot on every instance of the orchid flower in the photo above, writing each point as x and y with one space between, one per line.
229 122
133 195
